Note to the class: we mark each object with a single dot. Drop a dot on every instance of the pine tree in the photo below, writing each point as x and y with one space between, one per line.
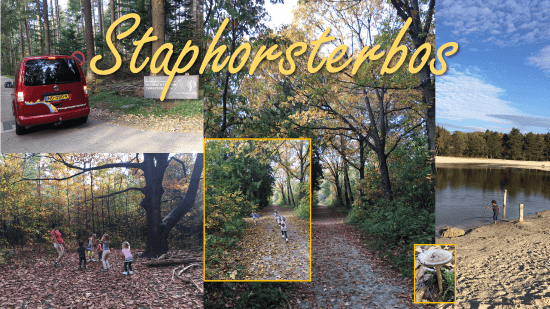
513 143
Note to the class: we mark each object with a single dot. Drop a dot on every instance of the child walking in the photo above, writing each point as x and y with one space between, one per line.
58 244
254 217
81 255
128 258
283 228
91 248
106 241
99 250
277 217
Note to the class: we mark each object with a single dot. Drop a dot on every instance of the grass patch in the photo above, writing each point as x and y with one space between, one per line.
8 76
146 107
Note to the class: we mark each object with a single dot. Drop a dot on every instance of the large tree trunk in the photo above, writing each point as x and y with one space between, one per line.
158 30
158 229
90 76
46 27
418 32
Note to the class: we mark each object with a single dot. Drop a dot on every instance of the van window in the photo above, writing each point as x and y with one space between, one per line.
39 72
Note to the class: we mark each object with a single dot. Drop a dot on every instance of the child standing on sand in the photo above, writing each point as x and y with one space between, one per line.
495 209
283 228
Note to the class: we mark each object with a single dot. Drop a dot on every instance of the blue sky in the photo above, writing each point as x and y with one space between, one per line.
500 78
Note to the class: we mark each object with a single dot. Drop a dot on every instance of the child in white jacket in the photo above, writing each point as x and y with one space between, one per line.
283 228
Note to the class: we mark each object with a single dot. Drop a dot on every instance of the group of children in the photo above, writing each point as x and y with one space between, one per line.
281 222
103 253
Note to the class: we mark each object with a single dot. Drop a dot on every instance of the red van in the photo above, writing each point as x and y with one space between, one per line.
48 89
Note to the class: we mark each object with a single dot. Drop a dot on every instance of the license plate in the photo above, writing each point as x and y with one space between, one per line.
58 97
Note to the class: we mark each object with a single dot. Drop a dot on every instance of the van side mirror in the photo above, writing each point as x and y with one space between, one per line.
8 85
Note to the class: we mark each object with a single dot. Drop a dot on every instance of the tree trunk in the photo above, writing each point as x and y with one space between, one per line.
82 19
90 76
46 27
28 33
113 35
21 40
100 15
361 168
158 229
94 25
384 175
349 194
58 24
158 30
39 22
54 26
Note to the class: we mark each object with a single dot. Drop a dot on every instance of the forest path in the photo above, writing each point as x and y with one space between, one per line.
346 275
267 254
41 285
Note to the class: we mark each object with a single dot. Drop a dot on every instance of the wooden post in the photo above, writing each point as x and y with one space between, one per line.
520 212
504 206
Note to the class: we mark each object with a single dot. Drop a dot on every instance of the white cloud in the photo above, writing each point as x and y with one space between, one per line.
464 95
503 22
541 59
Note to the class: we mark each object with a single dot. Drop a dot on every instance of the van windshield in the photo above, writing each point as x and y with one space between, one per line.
39 72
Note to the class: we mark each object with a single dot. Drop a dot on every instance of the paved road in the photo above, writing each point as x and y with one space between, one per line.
93 136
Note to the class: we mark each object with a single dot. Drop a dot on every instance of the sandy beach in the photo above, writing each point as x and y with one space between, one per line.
504 265
539 165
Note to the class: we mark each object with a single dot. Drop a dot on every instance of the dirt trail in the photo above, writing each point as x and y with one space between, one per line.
346 275
267 255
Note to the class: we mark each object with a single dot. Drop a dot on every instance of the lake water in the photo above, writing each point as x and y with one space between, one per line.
463 191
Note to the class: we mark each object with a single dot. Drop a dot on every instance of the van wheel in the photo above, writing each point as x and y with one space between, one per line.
19 129
82 119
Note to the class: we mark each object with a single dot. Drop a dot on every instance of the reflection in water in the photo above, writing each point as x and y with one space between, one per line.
463 191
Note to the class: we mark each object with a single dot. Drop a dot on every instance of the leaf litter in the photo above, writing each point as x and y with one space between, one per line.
263 254
41 285
345 273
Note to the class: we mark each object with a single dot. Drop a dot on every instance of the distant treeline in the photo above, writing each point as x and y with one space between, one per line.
493 145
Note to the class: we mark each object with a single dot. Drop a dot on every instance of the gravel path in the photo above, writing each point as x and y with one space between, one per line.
346 275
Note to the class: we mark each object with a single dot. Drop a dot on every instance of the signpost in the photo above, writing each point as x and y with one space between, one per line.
182 87
80 57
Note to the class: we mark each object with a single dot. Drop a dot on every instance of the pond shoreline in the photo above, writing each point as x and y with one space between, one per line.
538 165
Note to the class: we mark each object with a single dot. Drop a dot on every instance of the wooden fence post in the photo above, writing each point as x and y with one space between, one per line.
520 212
504 206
